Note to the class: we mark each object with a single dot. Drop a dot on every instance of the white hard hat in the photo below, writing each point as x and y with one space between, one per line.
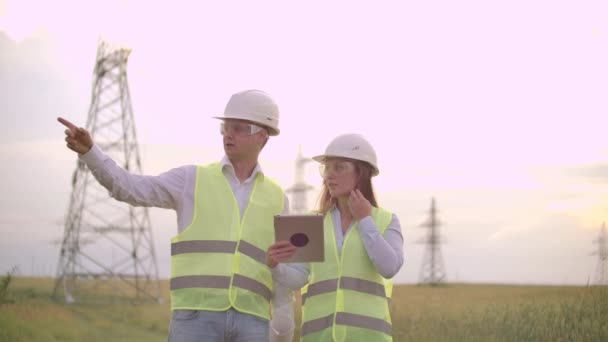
352 146
255 106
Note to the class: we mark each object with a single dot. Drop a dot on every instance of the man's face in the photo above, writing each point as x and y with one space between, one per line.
242 139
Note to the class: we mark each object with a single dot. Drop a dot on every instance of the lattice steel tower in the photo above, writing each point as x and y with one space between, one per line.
432 271
601 270
107 250
299 202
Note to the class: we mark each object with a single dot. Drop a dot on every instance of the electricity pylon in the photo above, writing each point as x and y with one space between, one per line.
432 271
107 250
601 270
300 188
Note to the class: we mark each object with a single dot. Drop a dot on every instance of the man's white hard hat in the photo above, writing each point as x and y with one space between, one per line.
352 146
255 106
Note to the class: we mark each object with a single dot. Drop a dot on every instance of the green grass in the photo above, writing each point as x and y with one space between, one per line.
458 312
500 313
35 317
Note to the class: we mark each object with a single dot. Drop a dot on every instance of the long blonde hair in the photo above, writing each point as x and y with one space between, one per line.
363 171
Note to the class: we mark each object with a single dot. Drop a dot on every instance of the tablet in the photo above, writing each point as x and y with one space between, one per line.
303 231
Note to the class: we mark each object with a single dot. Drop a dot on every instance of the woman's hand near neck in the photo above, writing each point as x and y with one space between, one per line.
353 207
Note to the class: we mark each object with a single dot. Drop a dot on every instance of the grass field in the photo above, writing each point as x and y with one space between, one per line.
458 312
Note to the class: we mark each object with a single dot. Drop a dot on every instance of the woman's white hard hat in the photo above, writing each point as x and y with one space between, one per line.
352 146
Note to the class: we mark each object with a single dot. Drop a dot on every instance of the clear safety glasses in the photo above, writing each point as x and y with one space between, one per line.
338 168
239 128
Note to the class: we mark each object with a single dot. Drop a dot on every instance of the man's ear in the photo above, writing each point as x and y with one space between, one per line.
265 137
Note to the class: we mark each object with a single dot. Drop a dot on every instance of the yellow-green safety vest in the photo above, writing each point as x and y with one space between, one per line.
346 299
219 261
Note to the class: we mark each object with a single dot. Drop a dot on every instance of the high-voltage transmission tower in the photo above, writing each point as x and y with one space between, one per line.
432 271
601 270
299 189
107 251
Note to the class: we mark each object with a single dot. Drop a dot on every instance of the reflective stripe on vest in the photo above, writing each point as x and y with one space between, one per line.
349 319
347 283
219 261
216 246
221 282
346 292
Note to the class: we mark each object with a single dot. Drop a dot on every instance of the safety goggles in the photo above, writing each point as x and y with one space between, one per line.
239 128
337 167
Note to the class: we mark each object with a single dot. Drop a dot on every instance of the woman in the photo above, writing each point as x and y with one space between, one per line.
346 296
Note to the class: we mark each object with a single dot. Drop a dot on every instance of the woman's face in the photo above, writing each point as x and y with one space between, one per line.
340 176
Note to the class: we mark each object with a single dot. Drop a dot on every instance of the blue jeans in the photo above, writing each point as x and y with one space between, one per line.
217 326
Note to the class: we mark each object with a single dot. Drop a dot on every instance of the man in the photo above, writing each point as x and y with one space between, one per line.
221 288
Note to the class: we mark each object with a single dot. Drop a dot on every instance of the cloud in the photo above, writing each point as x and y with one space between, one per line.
33 89
590 173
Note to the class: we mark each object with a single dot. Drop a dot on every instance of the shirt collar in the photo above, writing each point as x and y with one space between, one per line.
227 166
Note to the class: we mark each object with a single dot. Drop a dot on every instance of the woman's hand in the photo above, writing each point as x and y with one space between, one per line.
279 252
359 205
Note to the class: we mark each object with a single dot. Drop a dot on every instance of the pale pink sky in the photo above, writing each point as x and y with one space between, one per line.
498 109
